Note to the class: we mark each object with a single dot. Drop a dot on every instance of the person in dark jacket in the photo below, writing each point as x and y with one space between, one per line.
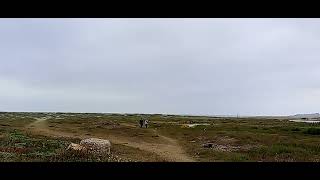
141 123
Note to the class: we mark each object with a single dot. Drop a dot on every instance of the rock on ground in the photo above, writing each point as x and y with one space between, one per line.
76 147
99 146
208 145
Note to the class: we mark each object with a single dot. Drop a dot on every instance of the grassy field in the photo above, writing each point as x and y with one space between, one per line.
45 136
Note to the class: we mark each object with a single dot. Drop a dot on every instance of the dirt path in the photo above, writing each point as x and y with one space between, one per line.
169 150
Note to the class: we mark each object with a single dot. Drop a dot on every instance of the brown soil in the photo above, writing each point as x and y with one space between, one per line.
169 149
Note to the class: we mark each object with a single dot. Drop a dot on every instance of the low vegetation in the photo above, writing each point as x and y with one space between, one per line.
313 131
232 139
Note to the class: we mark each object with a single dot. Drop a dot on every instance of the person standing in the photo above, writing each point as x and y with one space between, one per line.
141 123
146 123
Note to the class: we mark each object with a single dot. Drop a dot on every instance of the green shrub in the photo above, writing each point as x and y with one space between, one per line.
312 131
239 157
295 129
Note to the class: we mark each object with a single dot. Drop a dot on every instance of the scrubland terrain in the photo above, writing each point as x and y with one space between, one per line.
45 137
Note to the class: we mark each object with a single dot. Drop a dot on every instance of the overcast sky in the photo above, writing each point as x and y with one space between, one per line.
180 66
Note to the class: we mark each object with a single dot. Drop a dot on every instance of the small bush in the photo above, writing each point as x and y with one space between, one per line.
239 158
295 129
312 131
83 156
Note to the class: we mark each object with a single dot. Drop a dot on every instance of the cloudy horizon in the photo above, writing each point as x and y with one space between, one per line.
172 66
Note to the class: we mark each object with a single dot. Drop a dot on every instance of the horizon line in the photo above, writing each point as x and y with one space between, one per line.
174 114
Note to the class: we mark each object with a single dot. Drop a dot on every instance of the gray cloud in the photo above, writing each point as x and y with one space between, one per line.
193 66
